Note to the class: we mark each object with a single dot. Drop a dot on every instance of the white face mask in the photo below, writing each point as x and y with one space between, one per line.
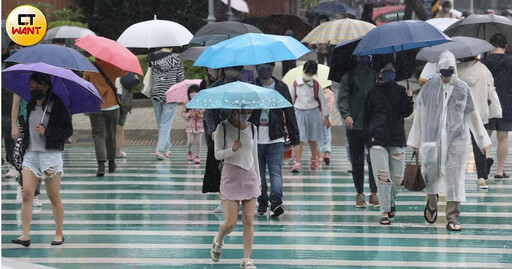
243 118
306 77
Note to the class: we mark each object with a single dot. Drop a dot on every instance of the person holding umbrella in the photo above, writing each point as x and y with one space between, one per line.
271 124
104 123
445 112
45 133
385 108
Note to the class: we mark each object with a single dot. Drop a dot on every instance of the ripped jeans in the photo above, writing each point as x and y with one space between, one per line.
388 168
43 163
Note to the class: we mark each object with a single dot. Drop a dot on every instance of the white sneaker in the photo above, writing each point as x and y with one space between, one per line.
12 172
219 209
247 264
36 202
19 195
482 184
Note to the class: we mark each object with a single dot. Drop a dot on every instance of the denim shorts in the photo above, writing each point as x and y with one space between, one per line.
43 163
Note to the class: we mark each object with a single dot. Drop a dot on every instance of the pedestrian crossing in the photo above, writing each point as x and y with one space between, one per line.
152 214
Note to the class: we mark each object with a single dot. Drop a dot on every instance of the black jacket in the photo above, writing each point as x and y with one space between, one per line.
386 106
500 66
60 126
276 119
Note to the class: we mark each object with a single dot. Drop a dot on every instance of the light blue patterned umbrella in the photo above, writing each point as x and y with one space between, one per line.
238 95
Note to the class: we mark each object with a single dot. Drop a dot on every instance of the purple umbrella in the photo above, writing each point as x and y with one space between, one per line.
78 95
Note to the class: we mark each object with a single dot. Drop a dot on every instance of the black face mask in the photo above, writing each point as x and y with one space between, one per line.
36 94
446 72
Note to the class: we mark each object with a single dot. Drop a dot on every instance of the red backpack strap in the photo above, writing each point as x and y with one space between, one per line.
295 91
316 88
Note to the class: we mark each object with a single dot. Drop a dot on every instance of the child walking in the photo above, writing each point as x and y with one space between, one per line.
194 123
236 144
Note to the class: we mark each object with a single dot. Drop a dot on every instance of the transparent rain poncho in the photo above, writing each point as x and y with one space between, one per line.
443 116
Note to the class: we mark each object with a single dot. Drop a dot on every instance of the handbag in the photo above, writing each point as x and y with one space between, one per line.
413 180
19 149
147 83
495 111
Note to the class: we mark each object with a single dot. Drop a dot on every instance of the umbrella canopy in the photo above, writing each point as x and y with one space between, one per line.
461 47
321 76
238 95
239 5
53 55
192 53
251 49
342 60
111 52
442 23
155 34
398 36
481 26
277 24
338 31
78 95
214 33
334 8
71 32
178 92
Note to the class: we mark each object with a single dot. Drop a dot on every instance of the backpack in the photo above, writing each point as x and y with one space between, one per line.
316 88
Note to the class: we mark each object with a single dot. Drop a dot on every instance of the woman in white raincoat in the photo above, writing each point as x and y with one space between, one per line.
445 112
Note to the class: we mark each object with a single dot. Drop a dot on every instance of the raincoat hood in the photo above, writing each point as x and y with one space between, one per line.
447 61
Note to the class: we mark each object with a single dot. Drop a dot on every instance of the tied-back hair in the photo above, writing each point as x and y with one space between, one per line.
42 79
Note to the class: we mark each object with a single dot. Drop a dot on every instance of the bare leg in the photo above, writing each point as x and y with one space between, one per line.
119 139
502 151
53 192
298 152
231 217
30 182
313 145
248 221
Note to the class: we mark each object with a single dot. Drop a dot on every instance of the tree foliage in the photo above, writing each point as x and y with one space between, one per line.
109 18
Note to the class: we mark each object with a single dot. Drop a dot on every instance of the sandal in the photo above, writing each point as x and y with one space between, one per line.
216 250
392 213
433 212
384 221
451 226
502 176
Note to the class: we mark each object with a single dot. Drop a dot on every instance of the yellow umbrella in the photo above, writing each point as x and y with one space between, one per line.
337 31
321 76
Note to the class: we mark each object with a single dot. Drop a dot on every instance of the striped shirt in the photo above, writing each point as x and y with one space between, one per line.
167 71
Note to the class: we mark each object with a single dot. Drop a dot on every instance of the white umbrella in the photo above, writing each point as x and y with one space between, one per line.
155 34
67 32
442 23
239 5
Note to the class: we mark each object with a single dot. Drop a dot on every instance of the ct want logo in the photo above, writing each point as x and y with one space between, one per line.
26 25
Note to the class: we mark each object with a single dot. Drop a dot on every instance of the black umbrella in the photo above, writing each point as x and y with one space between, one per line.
277 24
481 26
192 53
342 60
214 33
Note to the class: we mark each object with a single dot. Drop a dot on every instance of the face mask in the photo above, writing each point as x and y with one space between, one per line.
233 74
365 60
388 76
243 118
446 72
36 94
306 77
264 72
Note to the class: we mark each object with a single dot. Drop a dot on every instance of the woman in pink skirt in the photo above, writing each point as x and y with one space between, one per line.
235 143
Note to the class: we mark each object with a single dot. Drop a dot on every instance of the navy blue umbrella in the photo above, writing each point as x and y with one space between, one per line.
399 36
334 8
53 55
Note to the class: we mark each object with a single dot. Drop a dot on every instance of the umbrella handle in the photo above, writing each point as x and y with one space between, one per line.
407 83
239 111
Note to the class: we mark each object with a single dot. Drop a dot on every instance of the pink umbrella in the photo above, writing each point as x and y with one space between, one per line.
111 52
178 92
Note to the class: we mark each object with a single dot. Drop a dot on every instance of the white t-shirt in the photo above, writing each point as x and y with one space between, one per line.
429 71
263 129
305 98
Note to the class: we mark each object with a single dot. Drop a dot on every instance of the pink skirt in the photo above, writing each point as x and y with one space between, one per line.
238 184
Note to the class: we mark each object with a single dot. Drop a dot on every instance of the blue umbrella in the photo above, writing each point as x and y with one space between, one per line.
251 49
334 8
78 95
398 36
53 55
238 95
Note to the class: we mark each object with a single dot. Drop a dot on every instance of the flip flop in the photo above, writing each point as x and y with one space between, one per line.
502 176
392 213
451 226
384 221
433 212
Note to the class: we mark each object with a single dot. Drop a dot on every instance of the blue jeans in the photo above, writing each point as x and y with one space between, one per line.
164 114
271 155
388 168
